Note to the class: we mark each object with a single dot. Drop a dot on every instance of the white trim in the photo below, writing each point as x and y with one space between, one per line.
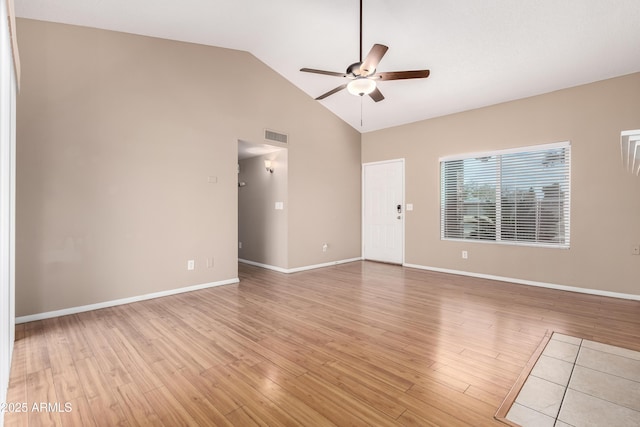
298 269
8 75
528 282
528 148
382 162
510 243
267 266
112 303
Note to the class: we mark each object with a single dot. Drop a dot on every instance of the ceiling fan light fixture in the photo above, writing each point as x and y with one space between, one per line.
363 74
361 86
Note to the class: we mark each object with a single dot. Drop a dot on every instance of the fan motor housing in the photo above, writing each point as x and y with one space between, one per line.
354 69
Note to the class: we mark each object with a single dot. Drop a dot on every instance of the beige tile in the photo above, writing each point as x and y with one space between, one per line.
606 348
554 370
541 395
527 417
607 387
609 363
561 424
561 350
579 409
566 338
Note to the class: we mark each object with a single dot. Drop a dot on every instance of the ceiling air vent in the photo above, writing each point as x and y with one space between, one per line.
270 135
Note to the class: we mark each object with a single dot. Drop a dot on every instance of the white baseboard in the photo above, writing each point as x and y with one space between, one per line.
267 266
529 282
112 303
297 269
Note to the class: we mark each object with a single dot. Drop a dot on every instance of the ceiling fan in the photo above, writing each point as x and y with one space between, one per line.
363 74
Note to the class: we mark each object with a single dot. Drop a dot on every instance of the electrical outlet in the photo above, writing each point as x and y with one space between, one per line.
210 262
635 250
191 264
325 247
465 255
239 245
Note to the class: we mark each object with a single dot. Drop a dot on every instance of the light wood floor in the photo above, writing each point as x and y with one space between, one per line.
356 344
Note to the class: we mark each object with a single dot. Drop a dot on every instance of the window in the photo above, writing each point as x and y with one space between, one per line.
516 196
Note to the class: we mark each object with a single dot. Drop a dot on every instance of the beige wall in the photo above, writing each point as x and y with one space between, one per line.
261 228
605 199
331 213
117 137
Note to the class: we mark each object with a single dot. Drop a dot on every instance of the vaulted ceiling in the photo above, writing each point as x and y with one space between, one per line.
480 52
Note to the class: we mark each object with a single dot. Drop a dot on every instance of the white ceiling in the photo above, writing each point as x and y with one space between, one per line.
247 149
480 52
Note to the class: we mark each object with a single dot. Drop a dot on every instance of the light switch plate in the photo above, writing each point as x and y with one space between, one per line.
409 207
279 206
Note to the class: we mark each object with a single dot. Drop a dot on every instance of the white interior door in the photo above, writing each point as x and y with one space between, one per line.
383 211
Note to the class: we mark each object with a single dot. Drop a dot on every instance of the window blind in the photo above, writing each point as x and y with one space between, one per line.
519 196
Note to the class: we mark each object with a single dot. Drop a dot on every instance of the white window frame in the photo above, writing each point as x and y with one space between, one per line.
498 154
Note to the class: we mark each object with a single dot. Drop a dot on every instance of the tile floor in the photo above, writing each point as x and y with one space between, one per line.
578 382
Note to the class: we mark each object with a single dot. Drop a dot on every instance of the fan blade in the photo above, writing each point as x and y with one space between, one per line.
328 73
331 92
376 95
401 75
372 60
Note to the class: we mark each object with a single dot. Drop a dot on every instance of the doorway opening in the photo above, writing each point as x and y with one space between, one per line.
263 205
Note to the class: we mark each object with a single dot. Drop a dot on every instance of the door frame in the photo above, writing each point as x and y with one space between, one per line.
404 207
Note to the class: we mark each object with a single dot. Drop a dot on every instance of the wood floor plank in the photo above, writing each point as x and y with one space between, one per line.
214 392
107 413
17 391
355 344
131 360
175 354
80 414
276 393
451 414
106 357
36 348
410 419
463 405
95 382
65 377
170 411
252 399
485 396
135 406
41 391
183 337
243 416
186 394
376 394
335 404
76 339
